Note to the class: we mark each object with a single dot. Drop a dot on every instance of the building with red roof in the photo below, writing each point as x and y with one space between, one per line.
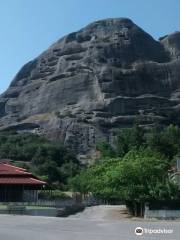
16 184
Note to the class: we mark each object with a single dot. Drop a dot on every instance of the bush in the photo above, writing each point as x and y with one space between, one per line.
53 195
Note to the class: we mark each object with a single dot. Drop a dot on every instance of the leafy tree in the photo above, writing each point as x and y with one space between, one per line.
166 142
127 139
140 176
82 182
130 138
106 150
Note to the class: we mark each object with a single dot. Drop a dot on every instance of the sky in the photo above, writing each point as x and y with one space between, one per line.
28 27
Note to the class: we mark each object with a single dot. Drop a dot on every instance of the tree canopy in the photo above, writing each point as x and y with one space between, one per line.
165 141
136 171
50 160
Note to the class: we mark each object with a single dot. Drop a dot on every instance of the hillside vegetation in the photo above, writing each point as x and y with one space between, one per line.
50 160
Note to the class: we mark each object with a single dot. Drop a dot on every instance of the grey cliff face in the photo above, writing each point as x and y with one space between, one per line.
94 81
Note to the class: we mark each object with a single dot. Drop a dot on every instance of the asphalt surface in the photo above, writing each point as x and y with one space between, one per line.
96 223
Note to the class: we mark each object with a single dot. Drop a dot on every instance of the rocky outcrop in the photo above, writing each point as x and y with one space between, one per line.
94 81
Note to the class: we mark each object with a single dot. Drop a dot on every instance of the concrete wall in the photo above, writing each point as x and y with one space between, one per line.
49 212
38 211
52 212
161 214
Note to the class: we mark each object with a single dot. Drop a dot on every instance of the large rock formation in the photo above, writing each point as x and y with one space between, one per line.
94 81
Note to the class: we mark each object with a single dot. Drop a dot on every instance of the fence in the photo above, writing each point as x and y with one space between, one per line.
42 203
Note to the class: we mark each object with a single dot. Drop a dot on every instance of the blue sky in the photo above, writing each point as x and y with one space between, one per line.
28 27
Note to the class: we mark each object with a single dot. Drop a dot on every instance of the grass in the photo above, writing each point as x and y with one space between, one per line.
3 206
38 207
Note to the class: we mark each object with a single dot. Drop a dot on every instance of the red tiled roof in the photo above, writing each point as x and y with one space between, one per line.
24 181
8 167
10 174
15 173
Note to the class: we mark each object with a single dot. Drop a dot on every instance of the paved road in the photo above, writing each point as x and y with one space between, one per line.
81 227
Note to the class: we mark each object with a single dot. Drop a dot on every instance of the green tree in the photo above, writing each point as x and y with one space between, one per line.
106 150
140 176
166 141
130 138
49 159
